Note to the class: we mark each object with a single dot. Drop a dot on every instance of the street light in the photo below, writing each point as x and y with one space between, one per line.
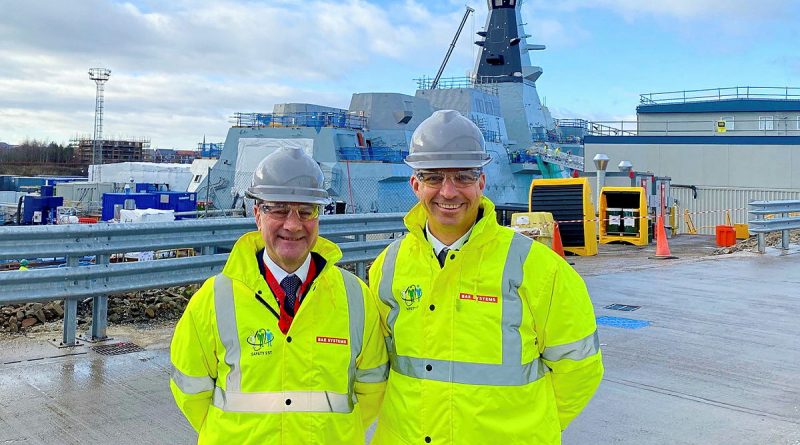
600 162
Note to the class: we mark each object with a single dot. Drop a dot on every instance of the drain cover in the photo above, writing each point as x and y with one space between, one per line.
624 323
622 307
117 348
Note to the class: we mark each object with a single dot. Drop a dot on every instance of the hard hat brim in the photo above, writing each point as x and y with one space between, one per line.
447 160
284 194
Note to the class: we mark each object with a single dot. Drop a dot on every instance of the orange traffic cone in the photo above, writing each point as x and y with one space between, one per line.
557 246
662 247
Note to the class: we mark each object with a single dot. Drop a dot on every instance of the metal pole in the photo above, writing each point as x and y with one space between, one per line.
360 266
70 313
785 236
761 241
601 180
450 50
208 187
100 308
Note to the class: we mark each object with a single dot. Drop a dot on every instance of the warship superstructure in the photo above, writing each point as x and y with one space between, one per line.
361 149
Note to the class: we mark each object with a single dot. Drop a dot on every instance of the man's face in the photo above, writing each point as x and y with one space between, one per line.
289 231
451 198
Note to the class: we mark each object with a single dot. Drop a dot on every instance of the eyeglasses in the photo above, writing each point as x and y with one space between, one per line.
280 211
461 178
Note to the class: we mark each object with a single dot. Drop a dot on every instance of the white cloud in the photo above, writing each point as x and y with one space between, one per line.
180 69
690 10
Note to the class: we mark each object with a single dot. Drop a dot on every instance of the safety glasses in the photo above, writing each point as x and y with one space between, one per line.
280 211
460 178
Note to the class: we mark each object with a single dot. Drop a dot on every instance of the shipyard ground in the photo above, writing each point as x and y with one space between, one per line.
717 364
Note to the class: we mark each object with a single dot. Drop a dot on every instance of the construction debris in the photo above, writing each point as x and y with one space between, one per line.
141 306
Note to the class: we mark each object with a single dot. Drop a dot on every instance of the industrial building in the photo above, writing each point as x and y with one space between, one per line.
722 147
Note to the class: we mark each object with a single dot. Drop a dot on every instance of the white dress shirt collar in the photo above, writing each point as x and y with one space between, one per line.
280 274
438 245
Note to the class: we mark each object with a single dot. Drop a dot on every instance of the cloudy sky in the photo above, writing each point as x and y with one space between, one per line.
180 69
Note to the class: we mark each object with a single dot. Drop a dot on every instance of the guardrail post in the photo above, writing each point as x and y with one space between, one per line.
70 313
785 236
208 250
761 240
361 265
100 308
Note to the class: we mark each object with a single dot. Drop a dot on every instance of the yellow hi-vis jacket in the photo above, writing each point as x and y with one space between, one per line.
238 379
497 346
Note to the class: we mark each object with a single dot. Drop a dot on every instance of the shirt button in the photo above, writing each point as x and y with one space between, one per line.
288 339
429 367
288 401
427 439
432 307
452 256
259 292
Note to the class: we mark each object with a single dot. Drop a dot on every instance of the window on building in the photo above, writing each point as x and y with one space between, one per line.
728 122
197 178
798 122
766 123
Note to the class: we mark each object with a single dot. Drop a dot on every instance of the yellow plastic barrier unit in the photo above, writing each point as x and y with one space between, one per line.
536 225
623 215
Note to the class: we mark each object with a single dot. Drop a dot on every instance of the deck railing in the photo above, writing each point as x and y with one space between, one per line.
717 94
335 119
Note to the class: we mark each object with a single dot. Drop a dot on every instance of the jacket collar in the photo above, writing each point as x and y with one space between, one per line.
483 231
243 264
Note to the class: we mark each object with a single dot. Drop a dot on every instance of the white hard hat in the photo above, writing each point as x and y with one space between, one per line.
447 140
288 175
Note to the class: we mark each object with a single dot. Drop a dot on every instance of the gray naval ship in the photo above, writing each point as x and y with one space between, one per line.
361 149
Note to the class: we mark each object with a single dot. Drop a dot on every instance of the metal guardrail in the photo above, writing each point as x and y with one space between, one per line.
487 84
729 93
312 119
71 282
784 223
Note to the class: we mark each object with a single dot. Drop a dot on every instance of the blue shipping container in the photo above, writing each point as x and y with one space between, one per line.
46 205
140 200
178 202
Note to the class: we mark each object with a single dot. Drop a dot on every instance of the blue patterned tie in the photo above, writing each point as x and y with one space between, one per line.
290 285
442 256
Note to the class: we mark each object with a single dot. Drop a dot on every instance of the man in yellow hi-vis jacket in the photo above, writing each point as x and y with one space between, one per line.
492 337
282 347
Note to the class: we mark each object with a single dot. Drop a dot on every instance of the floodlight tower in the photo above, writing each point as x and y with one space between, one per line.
100 77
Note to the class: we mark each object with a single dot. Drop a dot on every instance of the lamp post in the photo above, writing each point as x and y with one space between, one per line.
600 163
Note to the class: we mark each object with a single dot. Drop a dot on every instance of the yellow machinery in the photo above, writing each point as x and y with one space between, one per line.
569 200
623 215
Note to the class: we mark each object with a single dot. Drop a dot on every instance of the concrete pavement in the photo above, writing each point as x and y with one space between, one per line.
718 364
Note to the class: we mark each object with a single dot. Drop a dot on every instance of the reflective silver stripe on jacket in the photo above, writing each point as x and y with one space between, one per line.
510 372
228 330
386 295
577 350
374 375
191 385
282 402
469 373
355 309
